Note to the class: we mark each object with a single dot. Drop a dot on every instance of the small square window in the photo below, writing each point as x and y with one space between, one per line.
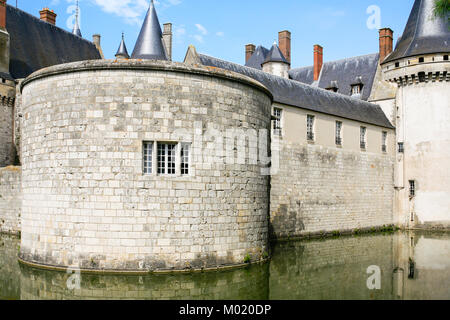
310 127
421 76
397 64
356 89
446 57
421 59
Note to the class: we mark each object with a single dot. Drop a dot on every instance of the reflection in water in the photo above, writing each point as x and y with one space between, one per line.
413 266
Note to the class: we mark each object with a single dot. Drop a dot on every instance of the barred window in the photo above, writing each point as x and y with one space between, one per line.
310 127
148 157
166 158
277 129
185 158
356 89
384 142
363 138
339 133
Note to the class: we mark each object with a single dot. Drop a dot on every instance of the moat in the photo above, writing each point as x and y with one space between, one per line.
413 265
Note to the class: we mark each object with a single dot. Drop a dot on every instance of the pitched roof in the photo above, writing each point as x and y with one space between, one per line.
297 94
424 33
343 74
275 55
258 57
122 51
36 44
149 44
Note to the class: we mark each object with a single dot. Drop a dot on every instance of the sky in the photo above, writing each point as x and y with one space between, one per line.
345 28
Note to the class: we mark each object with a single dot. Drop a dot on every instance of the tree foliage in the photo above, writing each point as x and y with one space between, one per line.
442 9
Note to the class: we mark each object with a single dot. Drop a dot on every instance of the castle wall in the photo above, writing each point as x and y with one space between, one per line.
321 187
87 202
7 95
10 199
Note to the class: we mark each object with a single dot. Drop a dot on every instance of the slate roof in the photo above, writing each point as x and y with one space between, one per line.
297 94
149 44
36 44
122 51
258 57
275 55
343 74
424 33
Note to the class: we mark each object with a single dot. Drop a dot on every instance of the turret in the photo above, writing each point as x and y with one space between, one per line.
149 44
76 27
420 67
122 52
276 63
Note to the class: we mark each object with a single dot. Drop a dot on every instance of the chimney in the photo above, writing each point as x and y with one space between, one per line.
3 14
4 40
386 42
167 39
284 42
249 51
48 15
96 39
318 61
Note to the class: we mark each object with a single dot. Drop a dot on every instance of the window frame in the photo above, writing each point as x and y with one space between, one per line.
310 127
384 137
277 123
401 147
412 191
363 137
338 134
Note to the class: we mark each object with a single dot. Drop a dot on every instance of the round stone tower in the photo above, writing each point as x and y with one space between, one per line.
420 66
119 171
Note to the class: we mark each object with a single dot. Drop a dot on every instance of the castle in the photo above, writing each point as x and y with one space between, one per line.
143 164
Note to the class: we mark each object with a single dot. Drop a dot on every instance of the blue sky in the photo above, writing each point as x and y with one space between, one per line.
222 28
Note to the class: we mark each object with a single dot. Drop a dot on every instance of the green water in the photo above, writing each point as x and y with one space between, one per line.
413 266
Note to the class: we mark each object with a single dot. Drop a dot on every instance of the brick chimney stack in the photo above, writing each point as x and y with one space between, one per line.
3 14
249 50
318 61
386 42
284 42
48 15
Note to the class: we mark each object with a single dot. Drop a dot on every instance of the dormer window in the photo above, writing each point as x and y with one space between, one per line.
333 89
356 89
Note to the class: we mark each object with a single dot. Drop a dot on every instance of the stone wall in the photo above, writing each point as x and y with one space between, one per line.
86 200
10 199
326 189
7 151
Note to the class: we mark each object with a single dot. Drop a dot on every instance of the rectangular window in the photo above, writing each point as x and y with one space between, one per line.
356 89
401 147
446 57
421 60
148 157
277 129
310 127
384 142
412 188
363 138
185 158
166 158
339 133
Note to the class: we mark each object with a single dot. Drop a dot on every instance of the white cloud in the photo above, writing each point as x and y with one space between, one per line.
199 38
220 34
202 29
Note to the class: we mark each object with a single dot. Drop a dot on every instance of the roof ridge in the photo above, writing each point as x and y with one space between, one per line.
339 60
51 25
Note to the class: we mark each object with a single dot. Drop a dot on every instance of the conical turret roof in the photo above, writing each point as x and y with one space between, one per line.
76 27
425 33
275 55
122 51
149 44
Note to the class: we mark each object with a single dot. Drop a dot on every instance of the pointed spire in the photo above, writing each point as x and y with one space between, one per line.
122 52
425 33
76 27
275 55
149 44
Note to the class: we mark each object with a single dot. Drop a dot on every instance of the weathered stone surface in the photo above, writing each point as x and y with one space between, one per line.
86 200
10 199
326 189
